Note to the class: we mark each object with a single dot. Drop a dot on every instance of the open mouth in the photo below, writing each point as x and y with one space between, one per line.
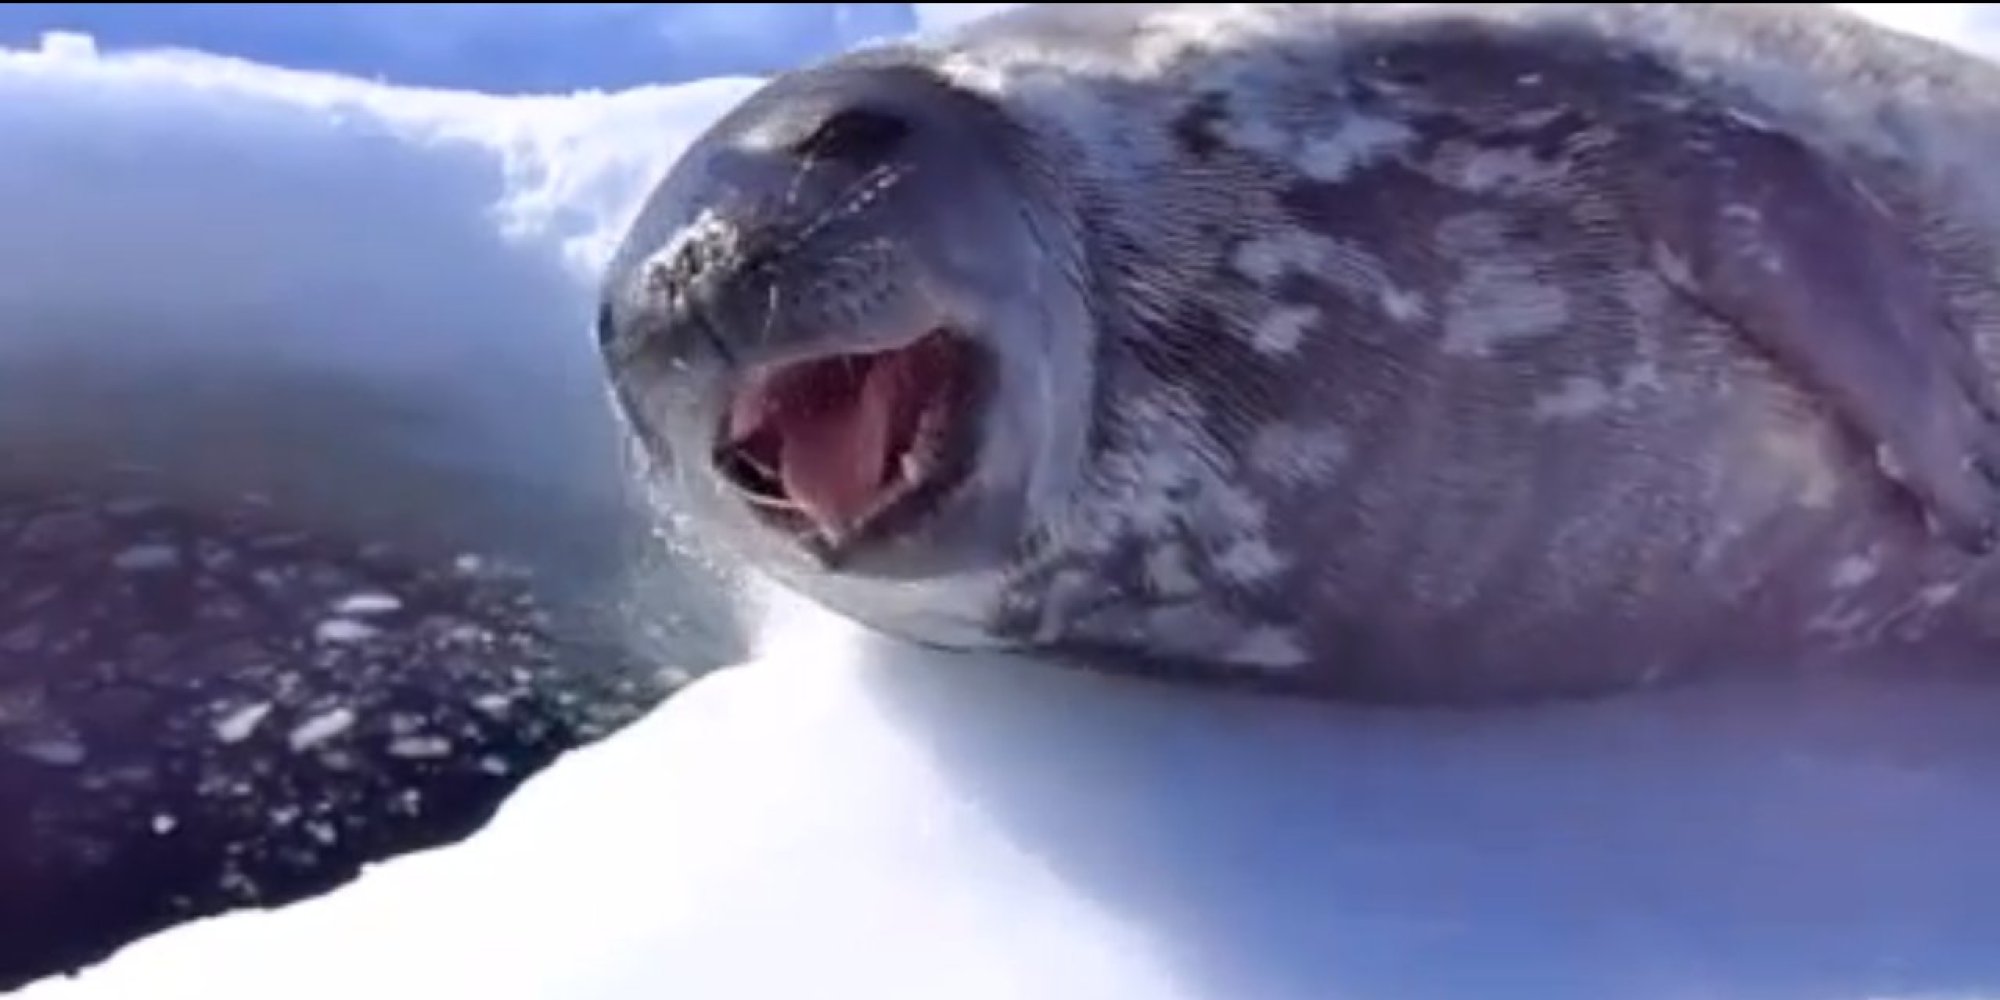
850 446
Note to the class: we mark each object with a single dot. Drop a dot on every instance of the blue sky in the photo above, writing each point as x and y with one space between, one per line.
493 47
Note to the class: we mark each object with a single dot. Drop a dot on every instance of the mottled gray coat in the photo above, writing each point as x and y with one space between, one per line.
1406 351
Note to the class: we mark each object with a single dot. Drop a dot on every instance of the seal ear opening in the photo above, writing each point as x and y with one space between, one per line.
856 134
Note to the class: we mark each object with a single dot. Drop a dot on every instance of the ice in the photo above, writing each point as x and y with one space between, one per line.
845 818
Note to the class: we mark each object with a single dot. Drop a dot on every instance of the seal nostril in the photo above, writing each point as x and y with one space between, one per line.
856 133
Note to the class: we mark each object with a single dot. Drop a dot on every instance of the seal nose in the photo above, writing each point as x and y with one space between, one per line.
680 292
702 281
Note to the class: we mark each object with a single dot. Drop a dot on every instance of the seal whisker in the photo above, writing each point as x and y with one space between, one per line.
770 322
865 190
808 159
772 503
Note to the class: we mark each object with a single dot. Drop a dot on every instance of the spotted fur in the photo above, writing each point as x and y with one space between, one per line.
1420 351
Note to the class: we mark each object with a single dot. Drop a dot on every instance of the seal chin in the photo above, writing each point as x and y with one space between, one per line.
845 450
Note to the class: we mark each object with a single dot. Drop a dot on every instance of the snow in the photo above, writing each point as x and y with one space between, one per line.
317 730
845 818
365 604
242 724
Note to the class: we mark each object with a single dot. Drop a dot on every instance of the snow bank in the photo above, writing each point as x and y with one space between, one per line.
843 821
218 220
847 819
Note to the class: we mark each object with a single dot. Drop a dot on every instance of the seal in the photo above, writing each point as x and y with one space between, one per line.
1425 353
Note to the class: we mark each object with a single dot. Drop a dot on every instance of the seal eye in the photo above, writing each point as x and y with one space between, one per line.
856 134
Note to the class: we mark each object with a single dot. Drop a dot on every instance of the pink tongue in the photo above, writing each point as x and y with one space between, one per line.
835 455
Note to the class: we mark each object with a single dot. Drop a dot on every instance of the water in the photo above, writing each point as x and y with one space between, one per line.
232 679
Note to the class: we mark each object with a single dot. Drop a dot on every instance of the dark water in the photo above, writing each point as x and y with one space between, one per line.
266 380
207 706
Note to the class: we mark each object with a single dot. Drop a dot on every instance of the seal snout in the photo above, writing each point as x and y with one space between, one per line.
830 310
841 447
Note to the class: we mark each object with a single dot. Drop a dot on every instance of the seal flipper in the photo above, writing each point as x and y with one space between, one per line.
1796 254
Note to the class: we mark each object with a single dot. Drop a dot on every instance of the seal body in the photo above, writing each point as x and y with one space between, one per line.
1421 352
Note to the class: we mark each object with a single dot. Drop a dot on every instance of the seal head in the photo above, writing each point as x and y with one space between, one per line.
854 326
